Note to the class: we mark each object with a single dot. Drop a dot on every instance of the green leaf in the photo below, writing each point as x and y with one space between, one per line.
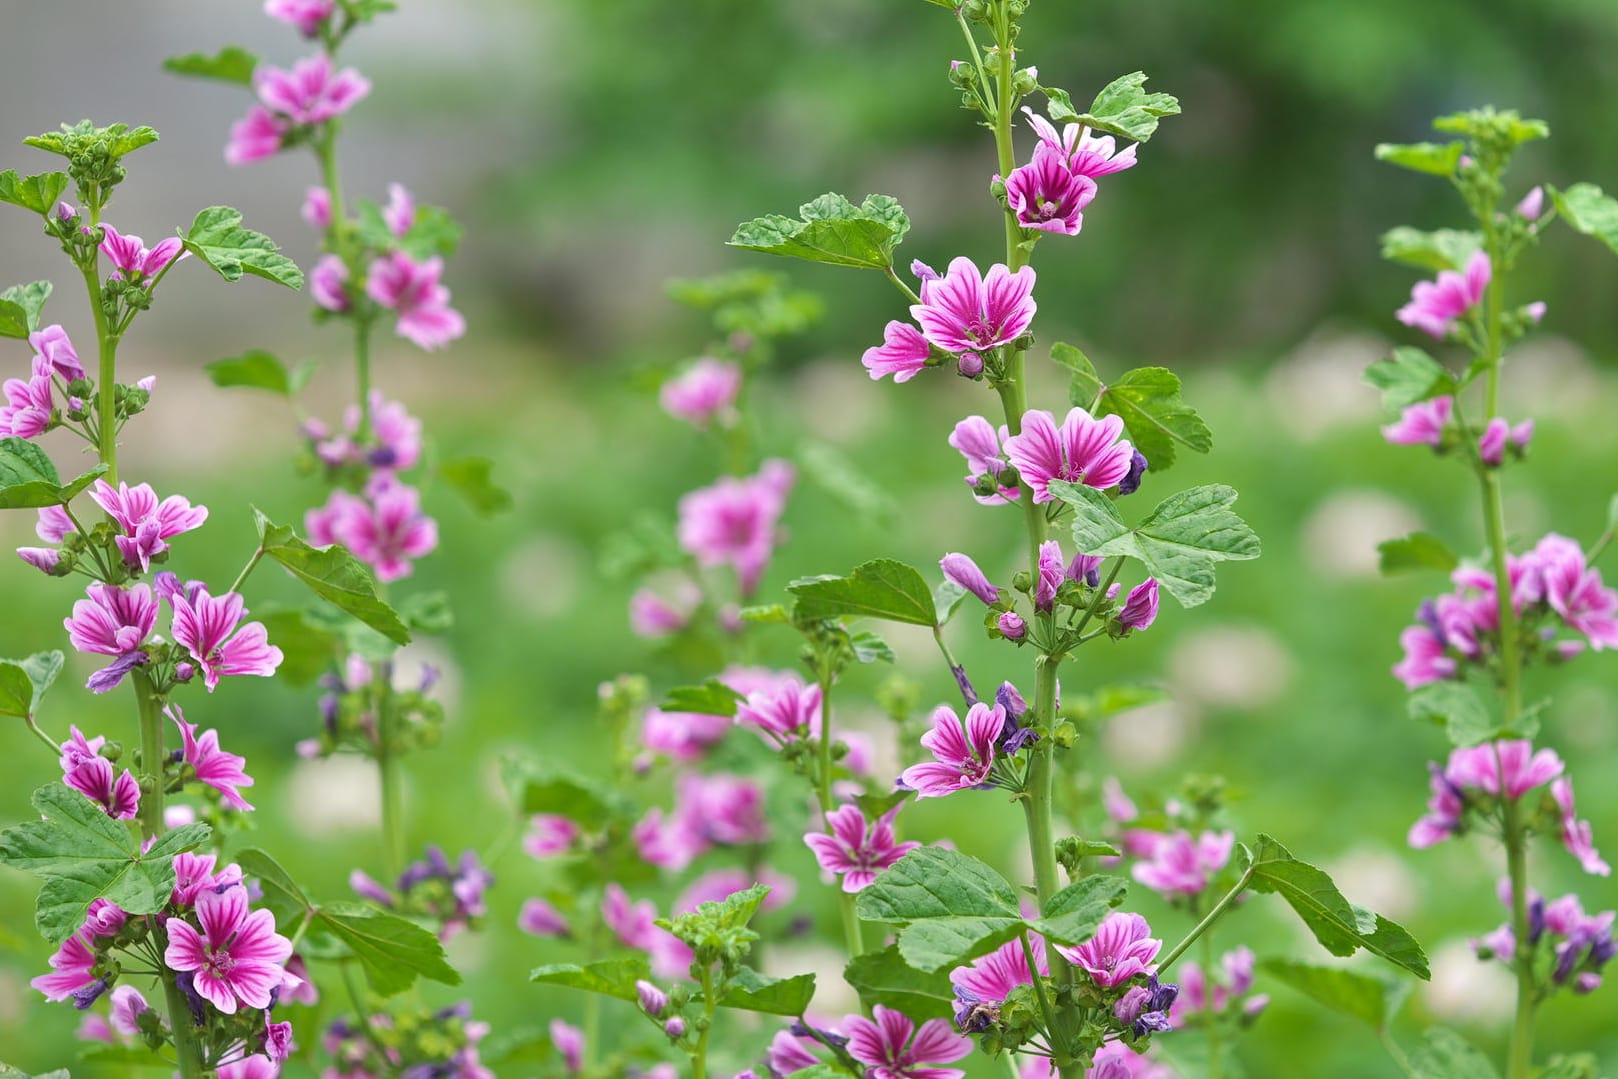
332 574
1085 386
539 787
869 648
1371 1000
260 370
282 894
754 992
881 588
217 237
885 978
37 193
1417 551
473 479
712 698
1437 159
1075 912
24 681
947 599
1445 249
952 906
28 479
84 855
831 230
1580 1066
1123 107
609 977
429 612
392 950
1589 210
1409 376
8 1072
29 300
838 476
1447 1055
1179 542
121 1056
1148 401
1489 125
230 64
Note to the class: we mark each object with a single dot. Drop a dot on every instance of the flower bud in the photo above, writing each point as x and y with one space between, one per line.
675 1027
652 999
971 365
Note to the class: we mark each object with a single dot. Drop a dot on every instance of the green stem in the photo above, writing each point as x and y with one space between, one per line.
1039 985
1101 595
853 938
360 1012
900 285
326 151
187 1053
1521 1064
151 753
362 370
387 762
1219 908
241 578
106 374
1396 1053
43 737
699 1057
1016 257
1213 1017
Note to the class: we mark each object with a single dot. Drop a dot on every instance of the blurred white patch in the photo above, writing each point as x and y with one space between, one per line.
468 952
1150 737
1340 536
1589 718
837 400
833 996
1527 515
1547 376
541 578
410 666
1230 667
334 794
1377 878
1319 387
1466 989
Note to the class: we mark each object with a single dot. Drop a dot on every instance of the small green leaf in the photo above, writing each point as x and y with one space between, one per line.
473 479
1445 249
831 230
881 588
27 299
260 370
1085 386
1490 125
1466 720
1437 159
1372 1000
712 698
869 648
282 894
1123 107
8 1072
1447 1055
754 992
13 320
393 951
28 479
24 681
1409 376
609 977
885 978
1580 1066
429 612
540 787
230 64
1417 551
37 193
1589 210
1075 912
218 238
332 574
946 600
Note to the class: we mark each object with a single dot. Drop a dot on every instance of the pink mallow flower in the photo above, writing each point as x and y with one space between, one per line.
207 628
654 613
127 1007
71 967
194 874
902 353
400 212
550 835
1084 153
256 136
133 259
1140 606
682 736
961 570
1473 771
980 443
316 208
1421 424
237 959
1047 195
703 393
991 978
29 403
634 924
718 885
782 713
857 849
963 311
1083 450
147 524
892 1048
388 530
412 290
308 17
1435 305
964 757
118 794
328 284
1498 434
1575 591
213 766
1576 834
311 92
569 1042
538 918
52 343
113 622
1181 865
1122 948
734 521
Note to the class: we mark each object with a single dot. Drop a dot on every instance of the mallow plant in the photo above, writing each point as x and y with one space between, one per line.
183 946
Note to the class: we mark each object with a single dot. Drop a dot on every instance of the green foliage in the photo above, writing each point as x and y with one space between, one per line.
1075 912
1466 720
1148 401
432 233
24 681
712 698
754 302
885 978
831 470
429 612
1581 1066
1443 249
1371 1000
539 787
831 230
115 139
1433 158
1123 107
261 370
1337 924
1409 376
20 307
751 991
230 64
1589 210
84 855
28 479
1417 551
952 907
307 650
1489 126
1179 541
1446 1055
37 193
332 574
217 237
881 588
609 977
473 479
8 1072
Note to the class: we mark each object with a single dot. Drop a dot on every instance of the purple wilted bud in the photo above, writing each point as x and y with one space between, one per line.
183 671
1140 609
1586 983
652 999
429 677
113 673
1086 568
1012 701
463 1010
971 365
1137 468
974 1014
366 888
383 457
43 559
1532 203
799 1029
968 691
1131 1004
1051 574
675 1027
185 981
88 995
964 572
65 212
1536 917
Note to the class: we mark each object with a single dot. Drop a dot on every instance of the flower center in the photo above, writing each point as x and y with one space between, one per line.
980 331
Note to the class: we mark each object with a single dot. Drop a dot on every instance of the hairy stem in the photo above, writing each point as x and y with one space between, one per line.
853 938
187 1053
106 375
1214 1063
1213 915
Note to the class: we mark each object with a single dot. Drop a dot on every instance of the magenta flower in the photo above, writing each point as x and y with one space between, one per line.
540 919
1576 834
316 209
256 136
1510 765
127 1006
1435 305
71 968
965 312
1011 626
568 1041
994 977
134 260
668 841
237 958
703 393
783 713
194 874
1421 424
389 531
1140 607
960 569
1532 204
856 849
1051 574
147 524
549 835
682 736
308 17
400 212
788 1054
902 353
53 525
634 925
207 628
310 93
220 770
257 1066
1180 865
113 622
979 442
1085 154
396 431
734 521
1575 591
1121 949
893 1048
1083 450
1047 195
964 758
328 284
723 808
29 403
116 793
412 290
52 343
652 615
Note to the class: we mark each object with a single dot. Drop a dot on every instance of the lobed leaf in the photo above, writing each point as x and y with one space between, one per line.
1589 210
539 787
885 978
217 237
882 588
261 370
473 479
1446 1055
1123 107
712 698
332 574
393 950
609 977
1372 1000
1466 719
1417 551
20 307
37 193
952 907
1443 249
1076 912
24 681
1409 376
1433 158
754 992
831 229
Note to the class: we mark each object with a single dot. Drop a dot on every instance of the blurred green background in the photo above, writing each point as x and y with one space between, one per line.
594 150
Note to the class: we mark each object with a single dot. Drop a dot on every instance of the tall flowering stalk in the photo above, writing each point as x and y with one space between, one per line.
1466 656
